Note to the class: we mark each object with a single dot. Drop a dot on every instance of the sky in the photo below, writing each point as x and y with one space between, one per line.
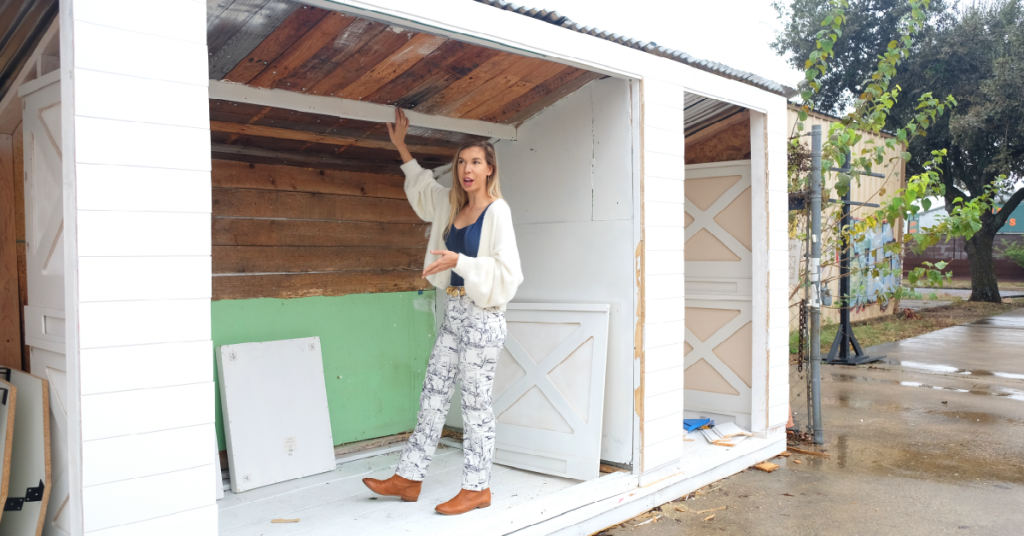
734 32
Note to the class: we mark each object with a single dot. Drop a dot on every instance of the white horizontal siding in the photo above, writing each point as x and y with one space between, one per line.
665 310
143 234
123 368
197 522
661 214
662 453
129 98
123 143
175 19
659 287
663 117
664 334
663 357
663 381
663 405
144 278
143 189
127 323
666 166
147 410
778 414
660 140
778 318
663 429
663 92
142 499
112 50
141 455
664 262
664 238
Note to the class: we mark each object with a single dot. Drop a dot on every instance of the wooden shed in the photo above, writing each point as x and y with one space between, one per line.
201 173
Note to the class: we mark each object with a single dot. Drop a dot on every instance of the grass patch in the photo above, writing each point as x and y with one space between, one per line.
965 284
896 327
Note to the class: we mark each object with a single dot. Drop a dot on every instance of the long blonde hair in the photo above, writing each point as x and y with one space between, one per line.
458 196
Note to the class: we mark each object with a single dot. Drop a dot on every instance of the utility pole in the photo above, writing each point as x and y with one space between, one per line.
814 292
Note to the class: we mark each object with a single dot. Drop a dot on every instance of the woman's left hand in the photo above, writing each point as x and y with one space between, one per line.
447 261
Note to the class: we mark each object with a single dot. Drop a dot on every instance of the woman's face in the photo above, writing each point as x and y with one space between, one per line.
473 169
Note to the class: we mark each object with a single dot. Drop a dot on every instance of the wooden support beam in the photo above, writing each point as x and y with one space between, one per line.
235 287
313 137
353 109
270 156
714 129
10 300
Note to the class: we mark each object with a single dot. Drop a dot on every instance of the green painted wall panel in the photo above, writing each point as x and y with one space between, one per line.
378 344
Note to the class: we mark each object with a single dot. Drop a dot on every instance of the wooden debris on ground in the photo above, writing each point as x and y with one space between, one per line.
711 510
784 454
766 466
682 509
725 434
797 461
610 469
710 517
280 520
811 452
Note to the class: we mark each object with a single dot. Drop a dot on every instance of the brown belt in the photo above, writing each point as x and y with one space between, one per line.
455 292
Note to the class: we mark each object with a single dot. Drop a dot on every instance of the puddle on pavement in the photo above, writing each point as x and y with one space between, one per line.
948 369
987 390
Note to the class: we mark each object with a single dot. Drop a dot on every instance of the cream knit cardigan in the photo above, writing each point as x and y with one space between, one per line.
492 277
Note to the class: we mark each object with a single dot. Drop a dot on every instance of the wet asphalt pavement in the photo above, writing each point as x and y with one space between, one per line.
929 441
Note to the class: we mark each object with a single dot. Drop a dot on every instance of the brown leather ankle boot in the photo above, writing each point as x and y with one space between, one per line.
396 486
465 501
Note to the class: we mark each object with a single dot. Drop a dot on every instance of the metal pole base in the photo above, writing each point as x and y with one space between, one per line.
858 357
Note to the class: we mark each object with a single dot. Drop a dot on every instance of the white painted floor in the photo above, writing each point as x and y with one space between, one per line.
338 503
699 455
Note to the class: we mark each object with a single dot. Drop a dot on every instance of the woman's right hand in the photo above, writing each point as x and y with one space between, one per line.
397 131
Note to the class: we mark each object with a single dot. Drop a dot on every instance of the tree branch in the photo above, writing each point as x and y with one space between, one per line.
1008 207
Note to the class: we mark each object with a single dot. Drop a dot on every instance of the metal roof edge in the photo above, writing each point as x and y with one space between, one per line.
557 19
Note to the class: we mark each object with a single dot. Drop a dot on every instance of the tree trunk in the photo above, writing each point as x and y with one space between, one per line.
984 287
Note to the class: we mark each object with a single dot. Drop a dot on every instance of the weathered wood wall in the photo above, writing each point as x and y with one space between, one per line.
289 232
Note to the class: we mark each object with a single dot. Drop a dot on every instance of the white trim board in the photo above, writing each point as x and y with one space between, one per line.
353 109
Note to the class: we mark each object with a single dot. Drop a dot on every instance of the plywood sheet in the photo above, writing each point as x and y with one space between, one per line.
275 409
30 457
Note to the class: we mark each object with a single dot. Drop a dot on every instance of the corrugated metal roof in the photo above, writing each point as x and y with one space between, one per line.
554 17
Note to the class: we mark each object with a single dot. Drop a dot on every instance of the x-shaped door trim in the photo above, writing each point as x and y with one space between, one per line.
705 219
705 349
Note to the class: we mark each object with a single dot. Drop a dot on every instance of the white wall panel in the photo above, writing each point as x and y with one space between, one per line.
663 214
778 414
662 453
143 234
663 357
128 98
663 381
142 455
143 189
141 499
105 141
659 140
198 522
664 190
663 92
148 410
778 318
663 117
123 368
613 139
102 48
664 262
143 322
144 278
666 310
177 19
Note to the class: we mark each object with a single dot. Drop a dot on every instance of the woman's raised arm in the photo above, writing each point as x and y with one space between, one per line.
397 131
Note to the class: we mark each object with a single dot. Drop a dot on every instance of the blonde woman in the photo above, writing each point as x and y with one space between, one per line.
472 253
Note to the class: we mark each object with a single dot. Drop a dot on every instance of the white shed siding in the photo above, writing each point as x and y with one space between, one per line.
777 401
664 284
140 153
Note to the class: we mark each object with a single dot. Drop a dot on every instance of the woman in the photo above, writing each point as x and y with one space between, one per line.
479 266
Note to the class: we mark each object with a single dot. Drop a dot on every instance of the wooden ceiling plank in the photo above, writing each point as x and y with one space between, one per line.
231 174
248 37
431 66
252 232
269 49
303 135
325 31
714 129
489 107
512 107
232 203
304 159
368 57
225 19
322 284
278 259
439 77
551 98
322 63
394 65
460 89
495 87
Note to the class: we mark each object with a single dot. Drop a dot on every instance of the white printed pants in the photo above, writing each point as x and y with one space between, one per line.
466 349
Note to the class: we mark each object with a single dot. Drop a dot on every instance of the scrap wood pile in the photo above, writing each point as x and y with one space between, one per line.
723 435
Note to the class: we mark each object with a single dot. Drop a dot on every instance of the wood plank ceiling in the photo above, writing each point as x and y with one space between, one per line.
280 44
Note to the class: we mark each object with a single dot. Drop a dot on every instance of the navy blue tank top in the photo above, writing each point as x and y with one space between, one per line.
465 241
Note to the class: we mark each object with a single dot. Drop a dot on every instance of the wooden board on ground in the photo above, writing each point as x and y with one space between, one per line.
8 397
766 466
28 488
277 423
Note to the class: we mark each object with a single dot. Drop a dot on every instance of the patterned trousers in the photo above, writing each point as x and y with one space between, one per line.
467 348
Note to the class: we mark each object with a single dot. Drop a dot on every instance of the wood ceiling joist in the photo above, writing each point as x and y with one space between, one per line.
312 137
